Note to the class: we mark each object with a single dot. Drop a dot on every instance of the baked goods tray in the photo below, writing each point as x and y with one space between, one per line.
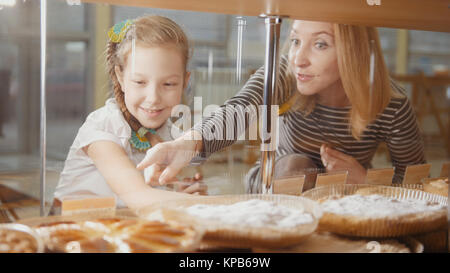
122 233
36 221
221 234
389 226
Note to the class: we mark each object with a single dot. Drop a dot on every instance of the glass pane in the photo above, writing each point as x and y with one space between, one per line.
19 111
78 84
9 129
65 17
66 95
429 54
193 23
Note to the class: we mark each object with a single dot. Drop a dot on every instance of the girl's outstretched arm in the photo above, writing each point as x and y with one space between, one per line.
122 176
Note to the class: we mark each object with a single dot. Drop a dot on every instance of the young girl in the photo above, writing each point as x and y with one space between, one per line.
146 60
335 123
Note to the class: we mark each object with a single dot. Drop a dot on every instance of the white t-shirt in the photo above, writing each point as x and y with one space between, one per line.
80 173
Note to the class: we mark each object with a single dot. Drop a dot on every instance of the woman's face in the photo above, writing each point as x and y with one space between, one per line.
312 57
155 85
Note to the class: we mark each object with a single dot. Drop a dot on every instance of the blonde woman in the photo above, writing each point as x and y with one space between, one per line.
334 122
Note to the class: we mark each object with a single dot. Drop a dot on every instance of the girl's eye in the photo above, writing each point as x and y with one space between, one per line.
139 82
170 84
295 42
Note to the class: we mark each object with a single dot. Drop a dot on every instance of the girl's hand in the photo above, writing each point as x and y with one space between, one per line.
334 160
193 185
165 160
152 174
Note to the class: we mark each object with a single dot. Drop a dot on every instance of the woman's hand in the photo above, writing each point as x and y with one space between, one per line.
165 160
334 160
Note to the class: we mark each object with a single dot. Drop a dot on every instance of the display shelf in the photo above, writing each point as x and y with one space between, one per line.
432 15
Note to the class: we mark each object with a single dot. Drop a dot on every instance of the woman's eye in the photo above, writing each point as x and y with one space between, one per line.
321 45
170 84
139 82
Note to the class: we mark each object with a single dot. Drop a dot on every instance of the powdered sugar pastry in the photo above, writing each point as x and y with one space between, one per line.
254 213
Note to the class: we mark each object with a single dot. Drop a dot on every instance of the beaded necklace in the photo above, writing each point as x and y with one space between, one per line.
139 141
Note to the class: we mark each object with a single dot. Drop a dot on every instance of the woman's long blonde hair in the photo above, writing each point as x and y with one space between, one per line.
147 31
353 49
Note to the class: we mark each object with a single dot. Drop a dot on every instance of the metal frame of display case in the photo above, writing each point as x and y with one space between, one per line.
432 15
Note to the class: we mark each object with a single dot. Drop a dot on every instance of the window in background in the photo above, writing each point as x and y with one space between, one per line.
388 41
428 51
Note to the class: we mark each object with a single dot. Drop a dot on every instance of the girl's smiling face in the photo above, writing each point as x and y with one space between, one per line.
313 59
153 83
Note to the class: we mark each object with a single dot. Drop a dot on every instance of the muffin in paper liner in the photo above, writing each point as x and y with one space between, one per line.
221 234
18 238
387 226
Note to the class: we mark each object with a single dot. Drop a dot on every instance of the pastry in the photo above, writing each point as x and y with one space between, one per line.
16 241
435 241
436 186
117 235
380 216
252 213
250 222
326 242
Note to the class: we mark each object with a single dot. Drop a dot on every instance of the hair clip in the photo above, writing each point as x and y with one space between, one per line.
119 30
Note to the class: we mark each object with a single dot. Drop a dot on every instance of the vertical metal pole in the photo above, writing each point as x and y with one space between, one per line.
43 129
241 23
371 74
273 25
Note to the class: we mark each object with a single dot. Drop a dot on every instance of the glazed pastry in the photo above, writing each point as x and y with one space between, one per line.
111 235
13 241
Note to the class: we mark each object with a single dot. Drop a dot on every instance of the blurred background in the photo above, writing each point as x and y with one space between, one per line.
77 84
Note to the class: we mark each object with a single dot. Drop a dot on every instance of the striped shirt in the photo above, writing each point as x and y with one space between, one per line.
304 134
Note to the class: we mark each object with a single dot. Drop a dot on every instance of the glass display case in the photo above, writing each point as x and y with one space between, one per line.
54 74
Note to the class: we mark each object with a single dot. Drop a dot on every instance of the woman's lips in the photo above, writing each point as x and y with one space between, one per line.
304 77
152 113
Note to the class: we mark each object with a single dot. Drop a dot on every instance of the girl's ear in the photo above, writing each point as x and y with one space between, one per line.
187 76
119 75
